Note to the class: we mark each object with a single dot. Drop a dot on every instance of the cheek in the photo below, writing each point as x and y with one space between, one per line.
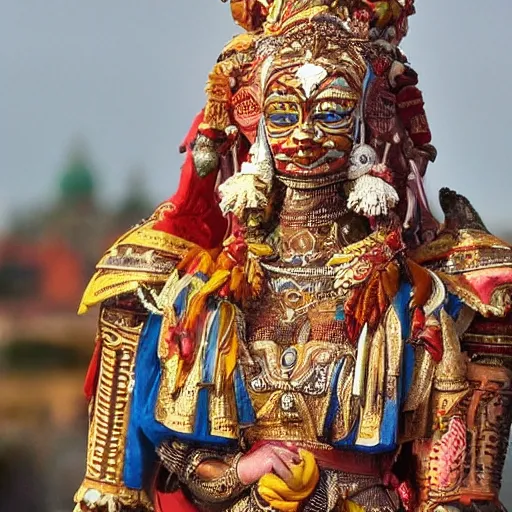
339 142
276 144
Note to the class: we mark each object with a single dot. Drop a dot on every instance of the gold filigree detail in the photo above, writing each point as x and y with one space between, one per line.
348 413
143 255
373 406
452 370
114 494
111 406
284 396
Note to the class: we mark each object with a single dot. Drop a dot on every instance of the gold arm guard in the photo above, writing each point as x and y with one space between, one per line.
463 460
118 332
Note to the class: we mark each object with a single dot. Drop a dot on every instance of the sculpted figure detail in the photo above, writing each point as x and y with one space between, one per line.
293 330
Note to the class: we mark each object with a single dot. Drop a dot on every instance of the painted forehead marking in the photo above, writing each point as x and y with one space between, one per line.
310 76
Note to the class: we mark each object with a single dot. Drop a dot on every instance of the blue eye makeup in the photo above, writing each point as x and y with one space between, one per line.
330 117
284 119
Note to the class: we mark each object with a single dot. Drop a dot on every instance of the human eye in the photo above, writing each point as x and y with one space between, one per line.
333 114
282 114
330 117
283 119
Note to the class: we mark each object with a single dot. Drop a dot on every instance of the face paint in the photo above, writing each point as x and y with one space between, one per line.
309 118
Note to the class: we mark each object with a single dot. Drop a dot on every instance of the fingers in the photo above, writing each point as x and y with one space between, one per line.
287 456
281 469
291 446
267 459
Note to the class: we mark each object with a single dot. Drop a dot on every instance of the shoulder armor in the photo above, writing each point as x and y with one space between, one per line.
475 265
143 255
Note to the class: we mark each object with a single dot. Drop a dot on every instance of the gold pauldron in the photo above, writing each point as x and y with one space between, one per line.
142 256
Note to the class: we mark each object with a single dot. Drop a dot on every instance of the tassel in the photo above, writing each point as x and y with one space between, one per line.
197 304
228 347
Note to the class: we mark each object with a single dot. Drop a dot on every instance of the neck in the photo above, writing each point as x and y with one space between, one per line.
315 223
312 208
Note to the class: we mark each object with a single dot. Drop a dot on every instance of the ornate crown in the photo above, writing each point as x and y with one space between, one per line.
382 19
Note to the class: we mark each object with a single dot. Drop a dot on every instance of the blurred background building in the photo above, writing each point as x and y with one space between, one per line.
126 77
47 256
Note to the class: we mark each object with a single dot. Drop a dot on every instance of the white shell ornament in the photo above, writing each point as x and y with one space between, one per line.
362 159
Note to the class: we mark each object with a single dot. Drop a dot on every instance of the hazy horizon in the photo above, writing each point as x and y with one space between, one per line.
127 78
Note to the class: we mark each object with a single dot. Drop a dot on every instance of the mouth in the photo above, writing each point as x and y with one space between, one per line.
308 161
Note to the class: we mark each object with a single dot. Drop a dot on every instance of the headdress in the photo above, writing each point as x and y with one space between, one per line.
360 36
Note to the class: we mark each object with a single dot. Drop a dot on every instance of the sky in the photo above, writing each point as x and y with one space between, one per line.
126 78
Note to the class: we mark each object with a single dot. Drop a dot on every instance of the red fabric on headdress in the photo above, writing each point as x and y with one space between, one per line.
411 111
195 214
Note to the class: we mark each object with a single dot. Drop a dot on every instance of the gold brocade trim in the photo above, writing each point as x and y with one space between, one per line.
148 237
292 403
373 406
275 424
147 256
417 408
105 285
347 414
394 343
457 285
423 374
177 409
118 494
223 414
110 411
461 241
487 339
451 372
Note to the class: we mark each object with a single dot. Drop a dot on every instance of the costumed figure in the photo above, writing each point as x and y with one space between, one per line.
293 331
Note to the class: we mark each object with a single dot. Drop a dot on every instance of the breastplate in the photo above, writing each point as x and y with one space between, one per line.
298 348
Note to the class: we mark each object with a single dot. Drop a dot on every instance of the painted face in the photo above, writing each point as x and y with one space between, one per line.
310 116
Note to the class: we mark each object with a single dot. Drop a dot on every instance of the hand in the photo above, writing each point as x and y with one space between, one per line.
287 496
267 460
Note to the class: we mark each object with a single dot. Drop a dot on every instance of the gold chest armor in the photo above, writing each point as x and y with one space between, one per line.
296 345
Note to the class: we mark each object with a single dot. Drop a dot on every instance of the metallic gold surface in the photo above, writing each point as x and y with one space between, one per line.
117 495
142 256
452 370
373 407
176 408
285 399
459 251
110 409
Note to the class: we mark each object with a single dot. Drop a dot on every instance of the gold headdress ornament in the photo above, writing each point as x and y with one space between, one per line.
275 16
358 20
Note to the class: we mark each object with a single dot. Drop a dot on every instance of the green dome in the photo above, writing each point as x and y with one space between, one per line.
77 182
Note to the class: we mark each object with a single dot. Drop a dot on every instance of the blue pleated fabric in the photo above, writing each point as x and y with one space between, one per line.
392 408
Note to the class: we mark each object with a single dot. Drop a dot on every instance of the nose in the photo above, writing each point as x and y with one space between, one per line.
303 134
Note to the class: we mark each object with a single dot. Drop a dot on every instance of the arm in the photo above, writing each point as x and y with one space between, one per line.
109 408
215 479
210 476
461 464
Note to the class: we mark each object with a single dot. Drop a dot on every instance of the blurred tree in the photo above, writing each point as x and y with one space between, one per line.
77 183
136 205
